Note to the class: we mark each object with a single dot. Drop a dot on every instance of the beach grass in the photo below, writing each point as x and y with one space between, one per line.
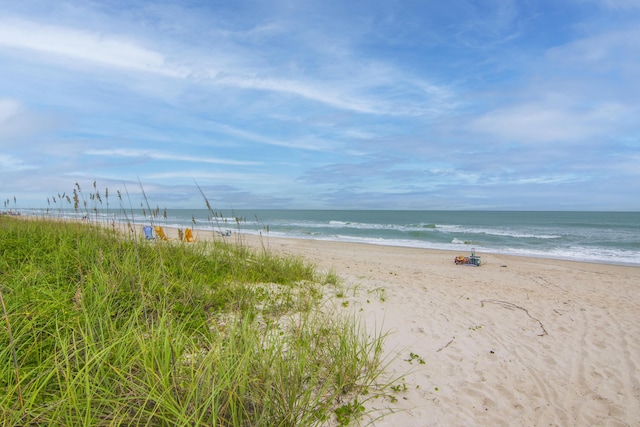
101 327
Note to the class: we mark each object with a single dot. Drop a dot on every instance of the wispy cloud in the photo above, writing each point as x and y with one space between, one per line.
157 155
8 109
10 163
490 25
18 122
257 180
544 123
611 49
260 138
124 52
105 49
327 96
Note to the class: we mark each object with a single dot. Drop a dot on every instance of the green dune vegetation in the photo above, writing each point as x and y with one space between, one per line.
101 327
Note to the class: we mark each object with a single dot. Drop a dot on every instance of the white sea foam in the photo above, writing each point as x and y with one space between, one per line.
503 232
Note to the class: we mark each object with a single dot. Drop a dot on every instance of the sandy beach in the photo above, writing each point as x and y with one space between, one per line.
514 342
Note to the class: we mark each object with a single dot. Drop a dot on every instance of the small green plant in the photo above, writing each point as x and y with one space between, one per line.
349 412
415 357
331 278
399 388
475 328
380 292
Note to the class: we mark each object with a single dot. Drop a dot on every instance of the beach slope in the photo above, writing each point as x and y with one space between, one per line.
517 341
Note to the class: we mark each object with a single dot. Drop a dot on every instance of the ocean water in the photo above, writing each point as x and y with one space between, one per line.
602 237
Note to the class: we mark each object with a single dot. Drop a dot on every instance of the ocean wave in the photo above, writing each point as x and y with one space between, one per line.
572 253
578 253
456 241
335 224
497 232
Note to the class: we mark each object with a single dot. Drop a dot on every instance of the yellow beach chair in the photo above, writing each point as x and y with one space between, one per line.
160 232
188 235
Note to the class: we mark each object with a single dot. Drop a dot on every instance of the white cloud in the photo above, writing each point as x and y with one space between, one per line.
549 179
489 25
358 91
156 155
306 143
11 164
85 45
255 179
548 123
617 47
301 89
8 109
17 122
574 97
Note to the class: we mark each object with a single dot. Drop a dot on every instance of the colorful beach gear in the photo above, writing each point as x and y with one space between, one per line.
148 232
188 235
473 260
160 232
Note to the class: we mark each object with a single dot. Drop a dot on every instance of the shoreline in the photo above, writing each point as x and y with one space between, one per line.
520 241
451 251
256 239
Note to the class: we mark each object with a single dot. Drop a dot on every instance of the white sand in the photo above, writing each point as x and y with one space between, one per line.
515 342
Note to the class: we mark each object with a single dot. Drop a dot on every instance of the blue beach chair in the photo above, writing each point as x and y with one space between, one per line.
148 232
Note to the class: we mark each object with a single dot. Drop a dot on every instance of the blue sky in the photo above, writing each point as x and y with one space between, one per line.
463 104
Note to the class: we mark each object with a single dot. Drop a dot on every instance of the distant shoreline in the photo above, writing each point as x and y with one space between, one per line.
173 230
269 242
595 237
